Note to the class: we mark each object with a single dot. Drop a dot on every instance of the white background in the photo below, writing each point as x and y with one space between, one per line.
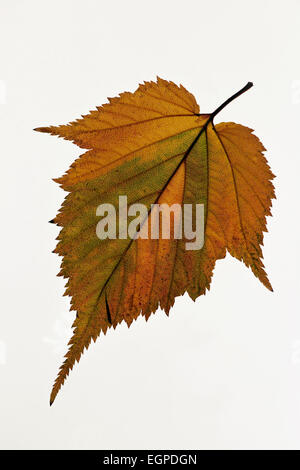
223 372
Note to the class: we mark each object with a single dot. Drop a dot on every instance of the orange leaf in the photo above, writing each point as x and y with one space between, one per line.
156 148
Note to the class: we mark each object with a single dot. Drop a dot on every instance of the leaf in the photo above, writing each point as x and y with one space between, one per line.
155 147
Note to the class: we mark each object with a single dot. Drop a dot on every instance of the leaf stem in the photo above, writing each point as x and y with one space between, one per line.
212 115
233 97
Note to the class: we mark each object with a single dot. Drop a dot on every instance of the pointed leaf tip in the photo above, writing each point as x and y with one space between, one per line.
42 129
